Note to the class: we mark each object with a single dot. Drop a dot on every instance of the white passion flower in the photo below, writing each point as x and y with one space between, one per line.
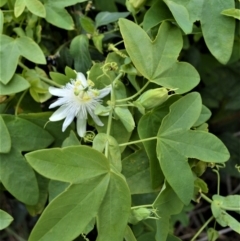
77 99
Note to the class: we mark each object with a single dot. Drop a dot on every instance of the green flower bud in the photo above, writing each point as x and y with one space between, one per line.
134 6
139 214
153 98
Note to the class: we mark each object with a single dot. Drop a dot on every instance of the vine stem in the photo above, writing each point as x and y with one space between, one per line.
218 180
142 206
135 95
110 114
19 101
139 141
206 198
201 229
46 80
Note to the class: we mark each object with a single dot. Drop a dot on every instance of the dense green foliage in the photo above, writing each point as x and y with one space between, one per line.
170 66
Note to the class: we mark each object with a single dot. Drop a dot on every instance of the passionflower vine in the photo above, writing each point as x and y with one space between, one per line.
77 99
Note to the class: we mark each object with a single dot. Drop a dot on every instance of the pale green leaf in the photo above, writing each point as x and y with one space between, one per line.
171 162
223 218
181 76
70 164
104 18
72 140
59 78
64 3
151 58
218 30
9 55
183 114
5 219
87 24
197 144
19 7
74 208
231 202
114 211
126 117
30 50
15 85
129 236
97 41
58 16
232 12
157 13
212 234
36 7
163 228
181 15
204 116
80 53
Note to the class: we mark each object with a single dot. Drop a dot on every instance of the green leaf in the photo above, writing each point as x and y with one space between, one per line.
72 140
157 13
181 15
157 60
5 219
163 228
30 50
15 85
126 117
5 138
81 204
43 196
10 51
66 165
36 7
9 55
167 202
212 234
80 53
212 20
104 18
183 113
223 218
147 127
58 16
114 153
59 78
55 188
148 55
64 3
18 177
136 171
231 202
181 76
25 135
232 12
87 24
115 209
97 41
19 7
129 236
176 143
204 116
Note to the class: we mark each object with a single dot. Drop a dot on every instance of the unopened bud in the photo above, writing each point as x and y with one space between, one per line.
139 214
134 5
153 98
